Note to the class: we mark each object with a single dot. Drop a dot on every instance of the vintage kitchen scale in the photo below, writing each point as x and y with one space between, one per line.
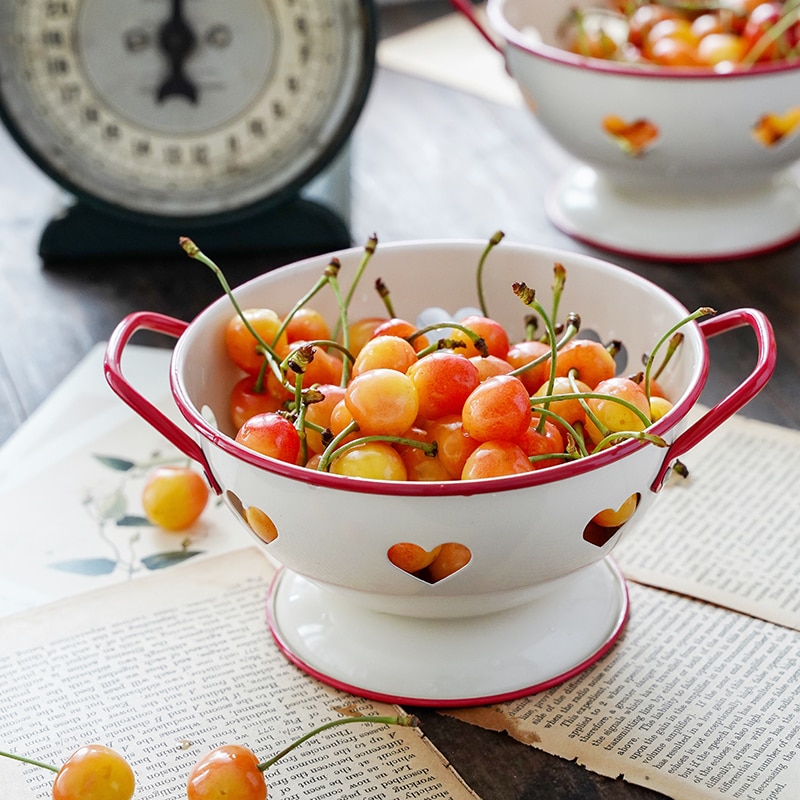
226 122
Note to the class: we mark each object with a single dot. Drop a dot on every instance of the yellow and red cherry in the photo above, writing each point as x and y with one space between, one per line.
174 497
94 772
499 408
272 435
242 347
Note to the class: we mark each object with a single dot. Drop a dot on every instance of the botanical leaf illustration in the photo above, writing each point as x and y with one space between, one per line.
87 566
168 559
114 462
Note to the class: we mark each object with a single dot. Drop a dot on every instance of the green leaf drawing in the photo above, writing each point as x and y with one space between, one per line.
87 566
119 464
133 521
162 560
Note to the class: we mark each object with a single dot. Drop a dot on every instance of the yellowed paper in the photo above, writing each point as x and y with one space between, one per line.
452 52
730 533
694 701
166 668
78 524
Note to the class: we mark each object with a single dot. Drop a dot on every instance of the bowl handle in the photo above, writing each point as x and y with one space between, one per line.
467 9
747 389
112 366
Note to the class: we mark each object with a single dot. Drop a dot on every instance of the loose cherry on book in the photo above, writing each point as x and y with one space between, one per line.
233 772
229 772
92 772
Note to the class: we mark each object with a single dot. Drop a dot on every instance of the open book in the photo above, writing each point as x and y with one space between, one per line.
700 697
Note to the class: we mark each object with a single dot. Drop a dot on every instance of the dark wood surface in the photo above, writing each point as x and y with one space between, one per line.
428 162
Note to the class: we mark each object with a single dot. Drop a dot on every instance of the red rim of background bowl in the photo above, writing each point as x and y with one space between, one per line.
515 38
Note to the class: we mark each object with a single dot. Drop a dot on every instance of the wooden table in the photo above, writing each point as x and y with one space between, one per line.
428 162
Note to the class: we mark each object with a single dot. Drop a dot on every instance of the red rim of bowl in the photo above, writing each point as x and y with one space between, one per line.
504 483
515 38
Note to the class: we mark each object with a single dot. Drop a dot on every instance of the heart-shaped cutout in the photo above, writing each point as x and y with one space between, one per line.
633 137
429 565
603 525
257 520
773 128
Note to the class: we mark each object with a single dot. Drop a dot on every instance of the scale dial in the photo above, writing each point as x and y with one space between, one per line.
169 109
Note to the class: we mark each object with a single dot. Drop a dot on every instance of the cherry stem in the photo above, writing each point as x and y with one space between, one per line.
493 242
528 296
546 412
369 250
615 437
700 312
403 720
325 458
341 325
193 251
383 290
478 341
559 279
318 286
572 377
674 343
551 398
26 760
429 448
258 386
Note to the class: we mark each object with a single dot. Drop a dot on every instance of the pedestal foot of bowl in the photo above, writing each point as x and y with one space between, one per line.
688 227
455 661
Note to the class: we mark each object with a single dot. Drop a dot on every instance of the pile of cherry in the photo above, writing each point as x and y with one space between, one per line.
383 399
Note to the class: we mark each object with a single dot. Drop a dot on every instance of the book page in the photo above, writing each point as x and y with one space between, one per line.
693 701
167 667
729 533
76 524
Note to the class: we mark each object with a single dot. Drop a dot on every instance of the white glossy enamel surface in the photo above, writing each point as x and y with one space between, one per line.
704 187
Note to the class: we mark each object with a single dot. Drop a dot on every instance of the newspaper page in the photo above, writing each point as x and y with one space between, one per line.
694 701
165 668
728 533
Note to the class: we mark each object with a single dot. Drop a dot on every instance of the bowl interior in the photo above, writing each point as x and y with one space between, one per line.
612 302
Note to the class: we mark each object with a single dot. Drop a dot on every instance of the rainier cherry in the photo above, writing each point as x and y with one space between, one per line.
614 415
540 443
493 459
174 497
591 360
450 558
246 401
307 324
454 444
491 331
383 402
232 772
375 460
570 410
388 352
242 347
271 435
443 381
320 414
523 353
499 408
92 772
403 328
